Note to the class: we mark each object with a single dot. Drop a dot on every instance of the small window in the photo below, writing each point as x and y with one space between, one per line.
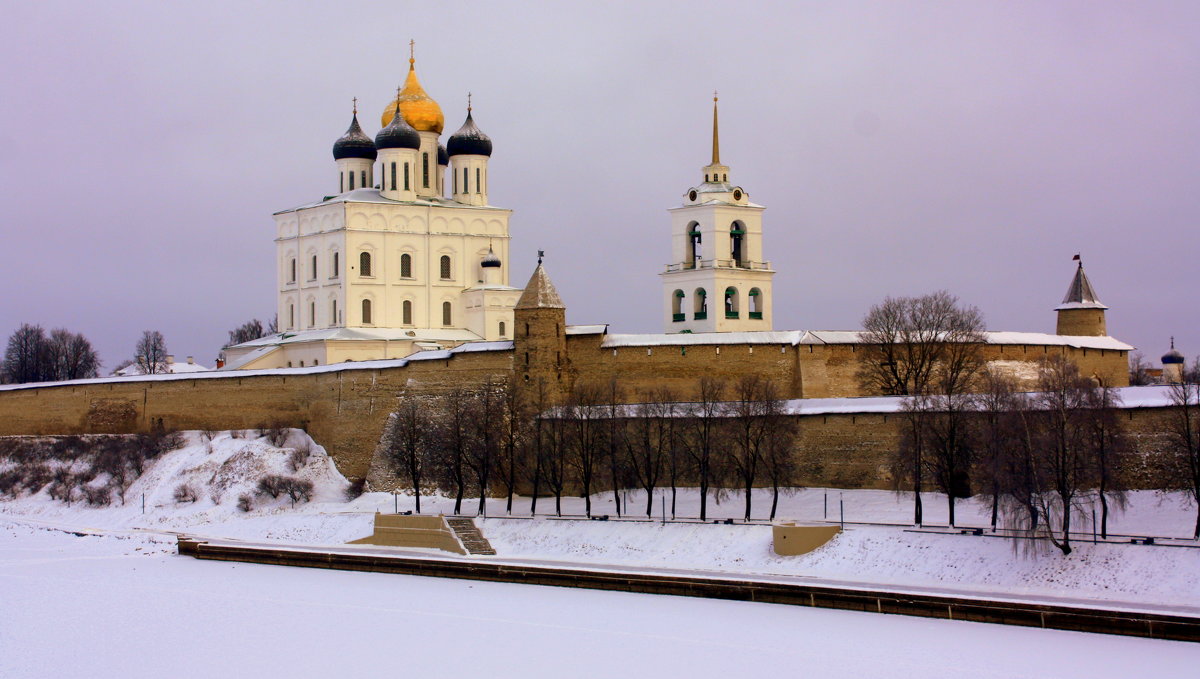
291 317
341 186
466 184
445 267
336 265
407 312
406 265
394 176
312 269
406 182
312 314
478 184
363 175
502 328
455 175
364 264
425 173
333 312
351 181
292 270
301 364
366 312
446 313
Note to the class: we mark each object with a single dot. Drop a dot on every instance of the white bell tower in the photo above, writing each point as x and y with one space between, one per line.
718 279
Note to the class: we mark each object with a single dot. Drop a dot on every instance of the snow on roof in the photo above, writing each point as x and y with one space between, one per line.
250 357
310 370
172 367
599 329
613 341
366 334
373 196
993 337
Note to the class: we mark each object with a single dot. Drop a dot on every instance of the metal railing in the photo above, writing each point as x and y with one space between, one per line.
719 264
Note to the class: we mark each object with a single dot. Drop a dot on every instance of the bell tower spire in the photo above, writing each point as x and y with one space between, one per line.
716 138
715 172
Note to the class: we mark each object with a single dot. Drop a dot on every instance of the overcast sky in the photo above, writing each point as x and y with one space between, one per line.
899 147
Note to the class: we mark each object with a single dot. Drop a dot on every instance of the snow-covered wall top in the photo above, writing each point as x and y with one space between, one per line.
440 355
796 337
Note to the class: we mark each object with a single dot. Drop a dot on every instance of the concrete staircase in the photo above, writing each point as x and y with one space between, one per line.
470 537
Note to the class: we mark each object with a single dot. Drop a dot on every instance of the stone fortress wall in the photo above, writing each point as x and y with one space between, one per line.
345 407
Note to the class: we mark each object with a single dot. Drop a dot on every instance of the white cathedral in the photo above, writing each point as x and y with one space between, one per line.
397 262
394 263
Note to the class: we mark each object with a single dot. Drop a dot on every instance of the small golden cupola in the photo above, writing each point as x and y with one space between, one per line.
419 109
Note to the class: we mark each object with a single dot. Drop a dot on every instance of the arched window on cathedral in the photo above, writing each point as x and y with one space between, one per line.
341 182
333 317
446 313
363 174
351 181
364 264
394 176
425 171
292 270
406 312
454 175
445 267
312 269
693 246
478 184
406 181
756 303
677 306
406 265
502 328
731 302
700 304
737 233
336 265
291 317
366 312
312 314
466 184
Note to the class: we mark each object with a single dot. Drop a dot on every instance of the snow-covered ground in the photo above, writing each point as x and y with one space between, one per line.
126 606
226 467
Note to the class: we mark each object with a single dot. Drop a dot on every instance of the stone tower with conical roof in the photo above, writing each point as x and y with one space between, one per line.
717 280
540 335
1081 312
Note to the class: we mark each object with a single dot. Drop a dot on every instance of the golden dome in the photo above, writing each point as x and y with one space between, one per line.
419 109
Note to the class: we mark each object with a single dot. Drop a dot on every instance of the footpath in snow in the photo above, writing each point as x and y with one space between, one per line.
228 466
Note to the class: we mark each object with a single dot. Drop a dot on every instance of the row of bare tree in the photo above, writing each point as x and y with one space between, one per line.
1042 457
730 436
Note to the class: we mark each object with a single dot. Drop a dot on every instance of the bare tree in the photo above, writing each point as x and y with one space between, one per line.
779 451
248 331
25 356
150 354
1183 443
650 440
584 417
451 439
1105 437
1063 466
513 443
537 397
486 413
72 356
748 413
703 434
614 438
1139 370
997 405
406 442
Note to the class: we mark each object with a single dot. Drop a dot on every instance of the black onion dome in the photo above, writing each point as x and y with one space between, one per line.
490 260
443 157
469 140
354 144
398 134
1170 357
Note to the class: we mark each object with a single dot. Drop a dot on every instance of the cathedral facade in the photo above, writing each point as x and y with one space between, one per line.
407 255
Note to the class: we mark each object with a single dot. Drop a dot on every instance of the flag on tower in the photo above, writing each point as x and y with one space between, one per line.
1075 258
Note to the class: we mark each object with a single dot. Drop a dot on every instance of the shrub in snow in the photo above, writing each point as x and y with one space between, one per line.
299 456
10 482
245 502
184 493
208 434
356 488
36 477
235 434
97 496
275 485
275 432
271 484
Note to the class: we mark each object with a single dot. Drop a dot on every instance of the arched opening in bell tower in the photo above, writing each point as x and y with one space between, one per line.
693 246
737 233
